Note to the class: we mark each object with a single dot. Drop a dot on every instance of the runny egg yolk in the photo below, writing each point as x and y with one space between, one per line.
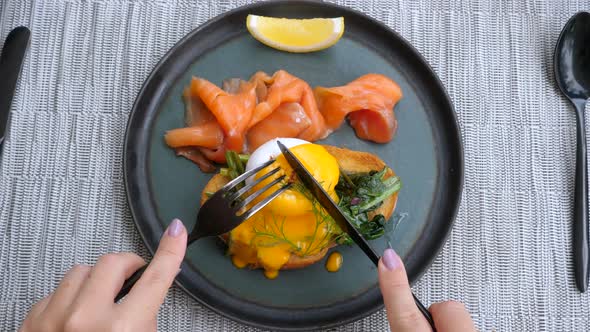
292 223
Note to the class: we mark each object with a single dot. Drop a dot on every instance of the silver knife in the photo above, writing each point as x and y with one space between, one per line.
11 60
339 217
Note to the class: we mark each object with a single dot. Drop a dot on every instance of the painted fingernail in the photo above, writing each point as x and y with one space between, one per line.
175 228
391 259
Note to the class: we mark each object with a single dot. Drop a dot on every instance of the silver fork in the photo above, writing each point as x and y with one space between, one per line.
222 212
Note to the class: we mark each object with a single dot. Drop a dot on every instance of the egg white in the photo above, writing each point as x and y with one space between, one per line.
270 150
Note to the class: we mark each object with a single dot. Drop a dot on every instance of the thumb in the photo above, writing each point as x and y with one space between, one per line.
402 313
150 290
451 316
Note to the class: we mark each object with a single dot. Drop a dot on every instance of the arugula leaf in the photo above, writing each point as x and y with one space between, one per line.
362 193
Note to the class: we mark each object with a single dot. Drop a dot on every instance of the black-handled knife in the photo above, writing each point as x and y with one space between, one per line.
11 61
339 217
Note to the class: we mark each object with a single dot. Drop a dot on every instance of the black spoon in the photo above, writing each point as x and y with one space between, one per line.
572 72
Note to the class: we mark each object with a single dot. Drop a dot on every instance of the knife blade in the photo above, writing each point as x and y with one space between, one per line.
339 217
11 60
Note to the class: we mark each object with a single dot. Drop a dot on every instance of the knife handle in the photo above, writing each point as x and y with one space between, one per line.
11 61
424 312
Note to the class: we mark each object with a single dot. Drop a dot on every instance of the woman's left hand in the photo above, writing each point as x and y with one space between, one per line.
84 300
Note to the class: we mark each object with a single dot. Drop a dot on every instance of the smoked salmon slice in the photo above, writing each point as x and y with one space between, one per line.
368 102
242 115
288 120
377 126
217 154
286 88
202 127
207 132
194 154
196 113
215 119
261 80
232 111
208 135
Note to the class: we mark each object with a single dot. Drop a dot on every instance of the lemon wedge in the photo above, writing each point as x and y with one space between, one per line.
296 35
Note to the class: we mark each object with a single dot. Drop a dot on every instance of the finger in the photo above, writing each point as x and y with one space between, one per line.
107 277
38 307
66 292
402 313
149 292
451 316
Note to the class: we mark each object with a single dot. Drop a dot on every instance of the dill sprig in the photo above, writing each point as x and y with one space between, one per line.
273 228
322 220
268 232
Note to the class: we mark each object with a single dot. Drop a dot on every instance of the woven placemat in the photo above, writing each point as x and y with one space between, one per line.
508 259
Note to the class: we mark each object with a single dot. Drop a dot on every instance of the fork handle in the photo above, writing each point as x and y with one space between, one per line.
128 284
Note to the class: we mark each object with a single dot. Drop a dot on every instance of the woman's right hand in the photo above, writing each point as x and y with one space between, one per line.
402 313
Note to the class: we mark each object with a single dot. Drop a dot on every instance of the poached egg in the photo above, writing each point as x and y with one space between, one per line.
293 223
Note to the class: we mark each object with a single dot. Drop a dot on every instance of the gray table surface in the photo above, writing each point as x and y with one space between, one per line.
508 259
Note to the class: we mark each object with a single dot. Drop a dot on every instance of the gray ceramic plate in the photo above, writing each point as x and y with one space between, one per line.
426 153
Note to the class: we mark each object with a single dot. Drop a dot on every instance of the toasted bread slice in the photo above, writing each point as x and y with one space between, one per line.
350 162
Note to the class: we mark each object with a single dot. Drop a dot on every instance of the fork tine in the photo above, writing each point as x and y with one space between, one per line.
259 192
249 186
264 202
230 185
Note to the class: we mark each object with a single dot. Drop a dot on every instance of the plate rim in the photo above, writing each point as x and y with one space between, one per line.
459 162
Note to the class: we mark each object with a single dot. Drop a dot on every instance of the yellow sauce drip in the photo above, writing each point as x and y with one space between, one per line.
238 262
271 274
334 262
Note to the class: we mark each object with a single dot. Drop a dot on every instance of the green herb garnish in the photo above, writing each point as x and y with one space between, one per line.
236 164
244 158
224 171
362 193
